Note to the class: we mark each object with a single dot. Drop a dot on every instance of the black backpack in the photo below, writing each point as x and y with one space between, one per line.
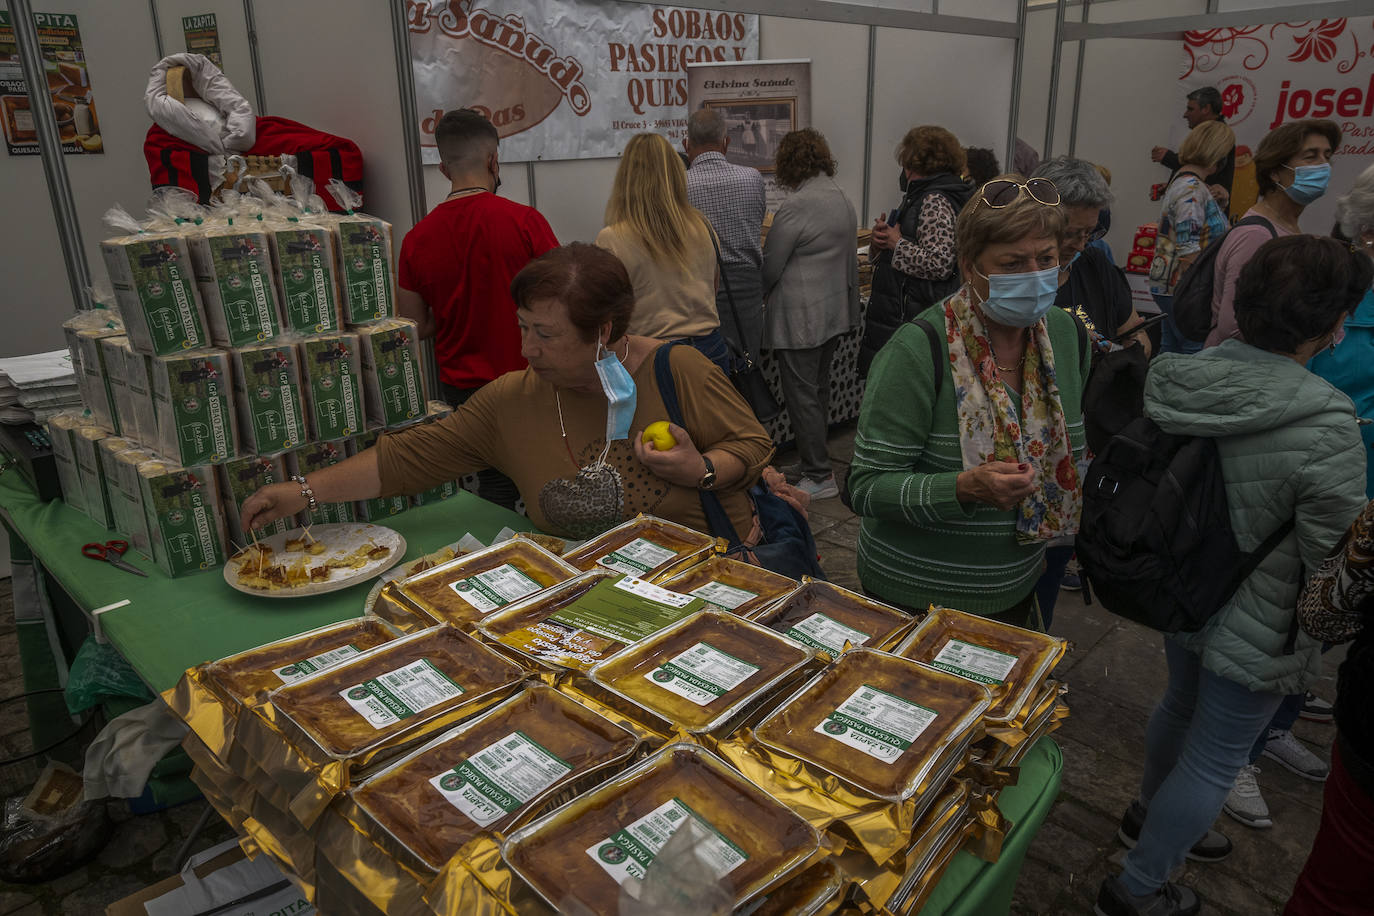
1155 539
1192 307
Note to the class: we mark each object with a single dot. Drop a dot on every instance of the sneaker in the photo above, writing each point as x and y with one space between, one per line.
1071 582
792 472
1213 847
1284 747
1315 709
819 489
1170 900
1245 803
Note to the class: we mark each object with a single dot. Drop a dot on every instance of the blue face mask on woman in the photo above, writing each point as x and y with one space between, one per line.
1020 300
1309 182
619 388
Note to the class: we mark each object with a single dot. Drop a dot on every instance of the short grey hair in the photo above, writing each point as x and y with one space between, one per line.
1079 182
705 127
1355 211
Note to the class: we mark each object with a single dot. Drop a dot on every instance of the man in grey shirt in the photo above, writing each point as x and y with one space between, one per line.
732 198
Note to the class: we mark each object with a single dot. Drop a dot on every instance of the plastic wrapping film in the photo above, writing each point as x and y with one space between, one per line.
365 258
322 718
232 258
647 548
154 284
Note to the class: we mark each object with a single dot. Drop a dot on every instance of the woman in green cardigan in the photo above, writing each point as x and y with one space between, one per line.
970 446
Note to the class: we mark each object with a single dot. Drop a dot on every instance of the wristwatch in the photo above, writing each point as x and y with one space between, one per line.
708 480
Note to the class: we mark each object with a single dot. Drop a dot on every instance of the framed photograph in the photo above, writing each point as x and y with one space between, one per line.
755 127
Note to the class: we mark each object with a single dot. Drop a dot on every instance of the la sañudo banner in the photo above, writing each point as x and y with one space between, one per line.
565 79
1286 71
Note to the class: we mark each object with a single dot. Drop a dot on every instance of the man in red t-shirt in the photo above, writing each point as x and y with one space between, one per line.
457 265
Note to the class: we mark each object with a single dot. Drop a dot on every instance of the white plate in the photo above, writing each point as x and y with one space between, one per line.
339 541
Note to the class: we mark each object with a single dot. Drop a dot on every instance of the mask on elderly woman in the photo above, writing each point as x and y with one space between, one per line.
902 181
1309 182
1020 300
619 388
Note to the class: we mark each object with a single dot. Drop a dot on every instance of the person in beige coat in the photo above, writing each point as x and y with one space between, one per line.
811 284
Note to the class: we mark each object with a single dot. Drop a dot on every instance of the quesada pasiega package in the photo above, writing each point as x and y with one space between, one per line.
182 507
267 394
331 370
154 286
393 372
375 510
194 407
240 479
307 460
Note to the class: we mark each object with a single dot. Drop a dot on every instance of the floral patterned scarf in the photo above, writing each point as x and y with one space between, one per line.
989 429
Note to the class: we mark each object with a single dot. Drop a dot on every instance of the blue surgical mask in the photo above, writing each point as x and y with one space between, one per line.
1309 182
620 394
1020 300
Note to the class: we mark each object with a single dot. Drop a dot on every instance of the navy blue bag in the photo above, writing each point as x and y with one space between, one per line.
788 547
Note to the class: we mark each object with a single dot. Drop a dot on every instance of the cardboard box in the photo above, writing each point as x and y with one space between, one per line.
182 508
267 394
132 517
305 258
138 375
369 287
194 407
221 880
60 432
93 381
375 510
154 285
234 273
95 497
393 373
240 479
311 458
331 371
112 351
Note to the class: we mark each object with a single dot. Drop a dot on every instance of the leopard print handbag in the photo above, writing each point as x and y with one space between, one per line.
1340 595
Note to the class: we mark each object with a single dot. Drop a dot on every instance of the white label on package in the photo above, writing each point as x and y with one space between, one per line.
702 674
637 557
487 591
627 853
877 723
826 633
289 674
977 663
400 694
722 595
653 592
500 778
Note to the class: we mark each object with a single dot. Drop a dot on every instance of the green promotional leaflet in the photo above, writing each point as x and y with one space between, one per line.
626 609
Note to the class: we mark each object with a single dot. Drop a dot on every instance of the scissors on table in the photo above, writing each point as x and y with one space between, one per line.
112 552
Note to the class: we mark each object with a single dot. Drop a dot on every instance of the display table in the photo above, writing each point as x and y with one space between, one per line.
171 624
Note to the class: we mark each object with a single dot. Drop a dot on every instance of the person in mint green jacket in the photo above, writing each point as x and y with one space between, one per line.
1289 448
968 457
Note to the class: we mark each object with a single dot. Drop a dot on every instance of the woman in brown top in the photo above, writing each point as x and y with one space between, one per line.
546 427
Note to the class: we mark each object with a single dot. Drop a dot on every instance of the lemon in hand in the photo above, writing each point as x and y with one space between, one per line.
657 435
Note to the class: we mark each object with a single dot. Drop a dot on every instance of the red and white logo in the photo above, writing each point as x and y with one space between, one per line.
1237 99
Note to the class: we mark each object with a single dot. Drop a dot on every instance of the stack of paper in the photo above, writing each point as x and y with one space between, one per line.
34 387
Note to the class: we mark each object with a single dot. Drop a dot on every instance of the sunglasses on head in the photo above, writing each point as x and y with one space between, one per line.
1003 192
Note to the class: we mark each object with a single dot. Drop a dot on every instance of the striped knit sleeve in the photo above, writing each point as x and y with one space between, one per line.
895 438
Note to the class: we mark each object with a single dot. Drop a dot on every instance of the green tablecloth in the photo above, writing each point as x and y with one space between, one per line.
171 624
972 887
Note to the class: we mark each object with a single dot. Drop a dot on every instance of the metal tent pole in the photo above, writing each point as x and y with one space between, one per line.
50 148
157 29
254 58
868 118
1056 63
1014 115
1078 87
405 82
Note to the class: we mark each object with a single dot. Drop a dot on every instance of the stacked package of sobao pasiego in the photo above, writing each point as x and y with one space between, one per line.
530 728
243 344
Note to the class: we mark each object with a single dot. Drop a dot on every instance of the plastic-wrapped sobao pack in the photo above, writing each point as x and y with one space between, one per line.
307 460
194 404
233 262
393 372
240 479
182 507
331 371
154 285
365 262
267 394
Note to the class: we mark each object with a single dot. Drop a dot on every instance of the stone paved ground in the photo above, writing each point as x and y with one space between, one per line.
1115 674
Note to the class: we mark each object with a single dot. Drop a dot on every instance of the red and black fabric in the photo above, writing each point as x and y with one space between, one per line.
173 162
